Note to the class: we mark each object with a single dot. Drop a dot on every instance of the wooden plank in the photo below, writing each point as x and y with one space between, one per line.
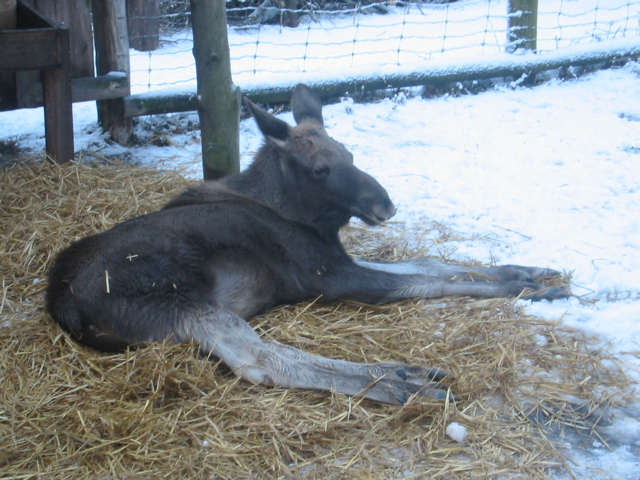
28 49
104 87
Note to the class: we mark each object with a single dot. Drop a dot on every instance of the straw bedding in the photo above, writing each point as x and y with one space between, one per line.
165 411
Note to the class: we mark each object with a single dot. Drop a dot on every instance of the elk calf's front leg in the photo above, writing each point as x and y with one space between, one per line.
432 278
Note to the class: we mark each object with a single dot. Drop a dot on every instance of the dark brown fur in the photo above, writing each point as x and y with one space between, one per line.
224 251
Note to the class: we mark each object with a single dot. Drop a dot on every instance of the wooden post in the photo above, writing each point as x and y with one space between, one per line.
143 21
217 98
112 55
522 32
58 111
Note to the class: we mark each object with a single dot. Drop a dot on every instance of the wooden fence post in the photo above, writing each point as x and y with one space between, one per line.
112 55
522 32
218 99
144 24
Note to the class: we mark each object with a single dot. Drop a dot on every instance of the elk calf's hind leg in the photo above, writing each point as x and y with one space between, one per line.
417 375
231 339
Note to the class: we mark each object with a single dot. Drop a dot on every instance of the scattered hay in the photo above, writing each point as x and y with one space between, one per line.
164 411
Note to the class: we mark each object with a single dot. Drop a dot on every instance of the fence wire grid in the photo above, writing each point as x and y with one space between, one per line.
380 36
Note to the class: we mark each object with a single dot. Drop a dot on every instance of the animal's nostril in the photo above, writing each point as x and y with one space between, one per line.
392 209
383 210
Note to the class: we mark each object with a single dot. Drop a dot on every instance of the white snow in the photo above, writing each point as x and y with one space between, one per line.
547 176
456 432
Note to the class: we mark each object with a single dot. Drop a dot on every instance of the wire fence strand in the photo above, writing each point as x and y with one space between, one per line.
377 35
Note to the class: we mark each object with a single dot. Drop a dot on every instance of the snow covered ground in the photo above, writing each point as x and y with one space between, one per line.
548 176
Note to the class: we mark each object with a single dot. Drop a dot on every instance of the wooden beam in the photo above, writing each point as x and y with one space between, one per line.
104 87
23 49
159 102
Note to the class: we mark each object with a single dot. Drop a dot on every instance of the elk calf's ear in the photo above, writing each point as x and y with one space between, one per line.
269 125
306 105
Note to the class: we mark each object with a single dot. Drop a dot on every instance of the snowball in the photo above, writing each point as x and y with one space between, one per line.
540 340
457 432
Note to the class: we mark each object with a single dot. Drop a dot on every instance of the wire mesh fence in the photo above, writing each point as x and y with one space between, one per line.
380 36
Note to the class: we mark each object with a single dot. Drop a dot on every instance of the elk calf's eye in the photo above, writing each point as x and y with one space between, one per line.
322 171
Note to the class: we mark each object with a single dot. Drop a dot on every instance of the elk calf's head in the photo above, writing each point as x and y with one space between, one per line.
319 182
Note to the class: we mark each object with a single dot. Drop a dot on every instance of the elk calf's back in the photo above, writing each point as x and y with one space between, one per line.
226 250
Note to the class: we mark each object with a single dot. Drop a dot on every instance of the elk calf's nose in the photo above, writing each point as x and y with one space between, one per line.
383 210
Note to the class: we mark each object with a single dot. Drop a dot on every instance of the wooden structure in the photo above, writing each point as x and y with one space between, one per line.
65 56
46 63
39 44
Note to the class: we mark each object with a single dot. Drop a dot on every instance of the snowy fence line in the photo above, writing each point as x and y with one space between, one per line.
357 52
379 36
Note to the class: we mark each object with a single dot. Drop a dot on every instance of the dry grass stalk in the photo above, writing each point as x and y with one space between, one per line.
164 411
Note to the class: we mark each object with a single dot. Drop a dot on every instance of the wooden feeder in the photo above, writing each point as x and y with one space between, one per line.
35 44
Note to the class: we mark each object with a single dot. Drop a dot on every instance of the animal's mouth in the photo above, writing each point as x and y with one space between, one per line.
375 215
